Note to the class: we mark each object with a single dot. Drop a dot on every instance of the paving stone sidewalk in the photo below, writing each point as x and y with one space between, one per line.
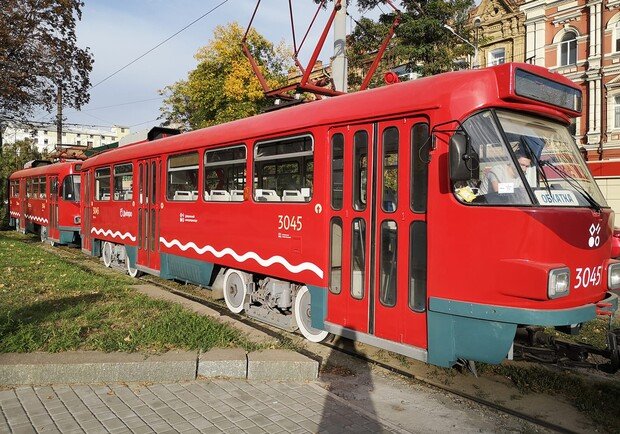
196 406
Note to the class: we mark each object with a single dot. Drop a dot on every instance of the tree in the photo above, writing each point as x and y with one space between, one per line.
39 55
223 86
421 42
15 156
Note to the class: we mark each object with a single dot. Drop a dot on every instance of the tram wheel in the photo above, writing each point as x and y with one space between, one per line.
132 271
106 254
302 317
235 289
43 233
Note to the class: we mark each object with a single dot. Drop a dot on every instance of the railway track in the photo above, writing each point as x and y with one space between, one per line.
282 335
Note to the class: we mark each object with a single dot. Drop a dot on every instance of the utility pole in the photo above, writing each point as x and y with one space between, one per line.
59 116
339 62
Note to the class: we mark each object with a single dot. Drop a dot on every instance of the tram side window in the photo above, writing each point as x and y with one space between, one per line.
337 170
389 197
360 169
417 266
30 188
71 188
225 174
102 184
420 145
14 188
335 257
387 287
54 188
43 187
123 182
358 258
182 182
284 170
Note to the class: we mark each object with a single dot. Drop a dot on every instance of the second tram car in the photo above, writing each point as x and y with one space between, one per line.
45 199
430 218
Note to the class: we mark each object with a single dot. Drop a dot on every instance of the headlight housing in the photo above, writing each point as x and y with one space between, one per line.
558 284
77 220
613 275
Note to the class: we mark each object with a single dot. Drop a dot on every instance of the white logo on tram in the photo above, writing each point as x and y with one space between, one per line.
595 239
126 213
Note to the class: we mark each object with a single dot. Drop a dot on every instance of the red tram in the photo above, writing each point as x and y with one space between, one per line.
430 218
45 199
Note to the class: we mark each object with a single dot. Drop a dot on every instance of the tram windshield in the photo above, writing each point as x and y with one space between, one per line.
526 160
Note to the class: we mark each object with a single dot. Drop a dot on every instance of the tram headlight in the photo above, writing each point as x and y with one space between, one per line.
558 284
77 219
613 275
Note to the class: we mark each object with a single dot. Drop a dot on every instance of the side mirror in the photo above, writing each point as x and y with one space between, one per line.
464 161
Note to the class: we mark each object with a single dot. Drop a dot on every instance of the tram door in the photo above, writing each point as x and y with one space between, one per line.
23 204
149 197
53 212
87 206
350 183
400 248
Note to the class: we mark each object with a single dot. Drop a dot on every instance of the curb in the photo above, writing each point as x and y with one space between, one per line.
98 367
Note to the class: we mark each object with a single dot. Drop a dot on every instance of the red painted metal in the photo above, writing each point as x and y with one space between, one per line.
382 48
48 212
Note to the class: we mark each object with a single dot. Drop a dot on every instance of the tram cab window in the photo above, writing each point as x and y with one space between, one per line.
71 188
123 182
102 184
389 196
284 170
225 174
182 177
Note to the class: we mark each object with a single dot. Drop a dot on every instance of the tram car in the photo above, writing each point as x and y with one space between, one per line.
45 199
430 218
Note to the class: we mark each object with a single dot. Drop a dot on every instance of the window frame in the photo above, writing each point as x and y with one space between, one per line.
229 164
565 43
492 60
168 171
96 185
333 170
115 175
303 165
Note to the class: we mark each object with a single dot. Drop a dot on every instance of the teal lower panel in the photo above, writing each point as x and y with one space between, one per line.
67 237
453 337
96 248
484 333
318 306
132 255
186 269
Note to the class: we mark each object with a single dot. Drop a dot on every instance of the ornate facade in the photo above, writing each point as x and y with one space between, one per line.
499 32
581 40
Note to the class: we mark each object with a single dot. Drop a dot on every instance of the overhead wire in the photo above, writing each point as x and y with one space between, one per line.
160 44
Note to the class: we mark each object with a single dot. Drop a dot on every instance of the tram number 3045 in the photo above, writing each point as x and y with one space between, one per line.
287 222
588 276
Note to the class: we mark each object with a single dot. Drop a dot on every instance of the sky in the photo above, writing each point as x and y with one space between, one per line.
118 31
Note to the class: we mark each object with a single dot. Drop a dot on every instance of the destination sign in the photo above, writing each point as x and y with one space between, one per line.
548 91
556 198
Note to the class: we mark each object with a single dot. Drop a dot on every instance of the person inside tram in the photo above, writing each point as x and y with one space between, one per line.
505 175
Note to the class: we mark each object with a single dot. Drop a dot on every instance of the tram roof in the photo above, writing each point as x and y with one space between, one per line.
459 92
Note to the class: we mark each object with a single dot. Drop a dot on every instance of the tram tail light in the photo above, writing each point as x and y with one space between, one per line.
559 282
613 275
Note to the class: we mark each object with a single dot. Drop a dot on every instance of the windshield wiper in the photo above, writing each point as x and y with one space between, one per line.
539 164
575 184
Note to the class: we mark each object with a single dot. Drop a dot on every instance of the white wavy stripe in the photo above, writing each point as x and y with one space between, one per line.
109 233
305 266
37 219
14 214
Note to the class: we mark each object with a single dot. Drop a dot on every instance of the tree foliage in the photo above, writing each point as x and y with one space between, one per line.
223 86
39 54
421 42
14 157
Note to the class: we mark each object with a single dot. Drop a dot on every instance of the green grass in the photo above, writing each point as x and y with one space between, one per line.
49 304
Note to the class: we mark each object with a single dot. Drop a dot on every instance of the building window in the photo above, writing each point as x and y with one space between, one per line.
497 57
568 49
616 37
617 111
46 141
